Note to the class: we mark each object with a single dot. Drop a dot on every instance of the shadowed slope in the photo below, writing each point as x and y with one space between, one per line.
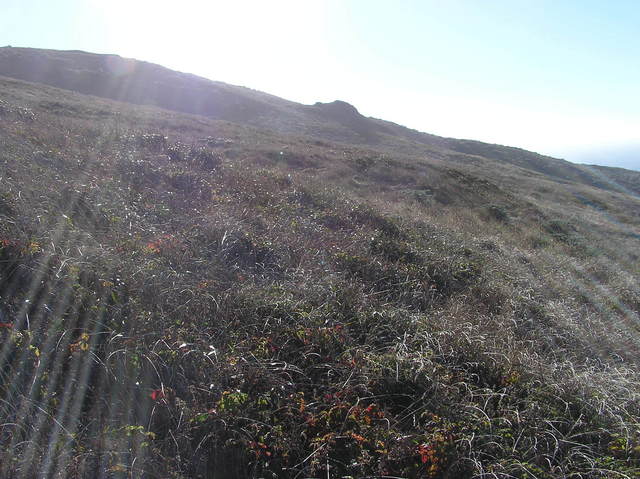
114 77
188 297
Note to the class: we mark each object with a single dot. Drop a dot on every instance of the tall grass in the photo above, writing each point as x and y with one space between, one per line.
177 306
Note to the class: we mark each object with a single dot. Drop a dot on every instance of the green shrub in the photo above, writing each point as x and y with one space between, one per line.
498 213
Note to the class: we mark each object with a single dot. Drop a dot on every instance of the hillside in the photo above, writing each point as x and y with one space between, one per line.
133 81
627 180
188 296
625 155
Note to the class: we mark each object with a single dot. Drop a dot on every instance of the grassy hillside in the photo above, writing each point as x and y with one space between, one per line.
628 180
133 81
188 297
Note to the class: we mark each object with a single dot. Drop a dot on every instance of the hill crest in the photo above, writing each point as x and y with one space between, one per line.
138 82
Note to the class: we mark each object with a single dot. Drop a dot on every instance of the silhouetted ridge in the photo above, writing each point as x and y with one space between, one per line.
348 116
138 82
133 81
339 108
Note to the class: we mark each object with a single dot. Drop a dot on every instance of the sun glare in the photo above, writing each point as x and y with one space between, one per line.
250 279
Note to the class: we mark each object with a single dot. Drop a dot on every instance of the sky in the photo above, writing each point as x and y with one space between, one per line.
557 77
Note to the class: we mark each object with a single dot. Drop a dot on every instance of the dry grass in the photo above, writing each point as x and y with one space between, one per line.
271 306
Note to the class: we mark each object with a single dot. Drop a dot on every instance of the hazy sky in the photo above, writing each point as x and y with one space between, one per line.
560 77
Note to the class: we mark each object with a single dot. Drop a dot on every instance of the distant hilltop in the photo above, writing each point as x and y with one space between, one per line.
138 82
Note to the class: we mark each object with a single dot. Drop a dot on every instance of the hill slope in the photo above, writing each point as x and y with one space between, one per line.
628 180
114 77
188 297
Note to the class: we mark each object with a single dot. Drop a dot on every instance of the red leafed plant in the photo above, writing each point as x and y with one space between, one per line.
157 394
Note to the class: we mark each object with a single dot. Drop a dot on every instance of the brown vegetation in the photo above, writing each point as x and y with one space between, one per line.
184 297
